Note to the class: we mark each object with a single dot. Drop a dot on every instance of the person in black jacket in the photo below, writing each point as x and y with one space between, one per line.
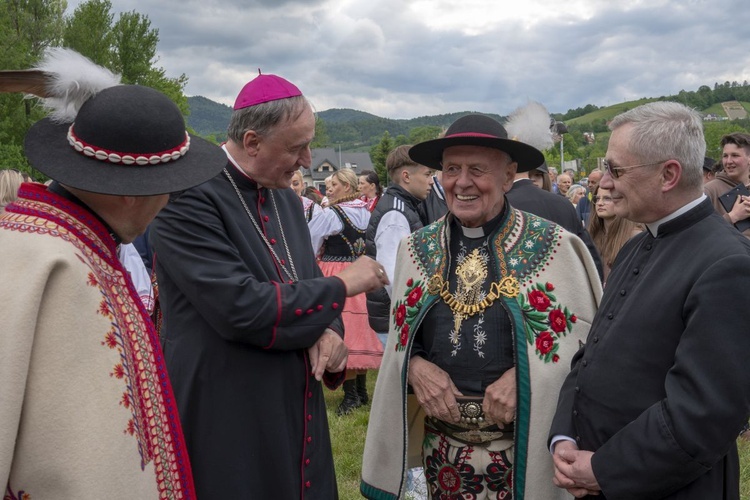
656 397
524 195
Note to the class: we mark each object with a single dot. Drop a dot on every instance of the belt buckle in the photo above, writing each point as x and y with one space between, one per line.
471 410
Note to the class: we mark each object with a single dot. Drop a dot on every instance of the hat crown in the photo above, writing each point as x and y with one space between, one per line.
130 119
265 88
477 125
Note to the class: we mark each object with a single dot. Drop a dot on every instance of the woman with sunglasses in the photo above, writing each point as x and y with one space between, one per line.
609 231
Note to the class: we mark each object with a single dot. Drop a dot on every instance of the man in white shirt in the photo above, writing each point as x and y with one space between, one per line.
396 216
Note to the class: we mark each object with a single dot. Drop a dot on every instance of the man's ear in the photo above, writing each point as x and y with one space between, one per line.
251 142
670 175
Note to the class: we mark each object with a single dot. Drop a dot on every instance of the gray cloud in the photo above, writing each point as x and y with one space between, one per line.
383 58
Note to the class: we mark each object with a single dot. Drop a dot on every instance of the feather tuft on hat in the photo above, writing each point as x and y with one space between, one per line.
530 124
72 79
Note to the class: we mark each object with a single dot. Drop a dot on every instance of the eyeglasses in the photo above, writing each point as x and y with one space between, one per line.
614 171
603 199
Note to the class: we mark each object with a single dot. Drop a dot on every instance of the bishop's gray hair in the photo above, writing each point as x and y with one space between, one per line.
262 118
665 131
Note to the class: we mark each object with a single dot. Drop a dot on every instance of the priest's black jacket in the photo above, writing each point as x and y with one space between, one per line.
524 195
235 336
661 389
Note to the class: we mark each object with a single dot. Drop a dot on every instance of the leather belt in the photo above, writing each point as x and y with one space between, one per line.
472 434
473 427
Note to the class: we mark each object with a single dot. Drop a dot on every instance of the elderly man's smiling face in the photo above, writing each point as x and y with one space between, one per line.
475 180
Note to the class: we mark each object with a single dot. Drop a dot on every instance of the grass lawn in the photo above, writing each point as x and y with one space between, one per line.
348 442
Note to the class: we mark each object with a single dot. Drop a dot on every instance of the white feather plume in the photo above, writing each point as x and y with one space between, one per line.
531 124
73 79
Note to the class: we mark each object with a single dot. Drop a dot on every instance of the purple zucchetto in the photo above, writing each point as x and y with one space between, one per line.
265 88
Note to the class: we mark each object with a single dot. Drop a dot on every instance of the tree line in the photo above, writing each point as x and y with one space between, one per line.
126 45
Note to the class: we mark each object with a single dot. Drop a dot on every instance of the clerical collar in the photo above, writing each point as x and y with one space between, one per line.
237 166
58 189
653 227
485 229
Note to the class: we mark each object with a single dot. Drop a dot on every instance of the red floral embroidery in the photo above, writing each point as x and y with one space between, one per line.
539 300
125 400
131 427
110 340
119 371
545 321
414 296
92 280
449 479
405 310
404 334
557 321
545 342
104 308
400 314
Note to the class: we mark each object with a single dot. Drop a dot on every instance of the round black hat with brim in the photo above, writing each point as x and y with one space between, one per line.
126 140
476 130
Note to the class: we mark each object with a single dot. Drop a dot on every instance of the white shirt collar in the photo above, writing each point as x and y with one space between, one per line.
653 227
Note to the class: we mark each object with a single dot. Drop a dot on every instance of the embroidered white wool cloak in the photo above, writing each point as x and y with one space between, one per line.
559 294
86 407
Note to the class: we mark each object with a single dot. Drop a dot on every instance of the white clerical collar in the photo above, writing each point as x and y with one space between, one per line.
237 165
472 232
653 227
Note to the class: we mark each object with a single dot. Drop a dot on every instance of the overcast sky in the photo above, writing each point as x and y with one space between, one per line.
408 58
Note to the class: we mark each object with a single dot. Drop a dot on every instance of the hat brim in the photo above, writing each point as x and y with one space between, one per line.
47 149
430 153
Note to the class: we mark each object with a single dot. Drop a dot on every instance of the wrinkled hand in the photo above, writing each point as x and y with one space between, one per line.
328 354
499 403
434 390
741 209
573 470
363 275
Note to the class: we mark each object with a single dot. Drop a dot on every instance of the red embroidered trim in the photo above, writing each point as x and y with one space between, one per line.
128 158
148 394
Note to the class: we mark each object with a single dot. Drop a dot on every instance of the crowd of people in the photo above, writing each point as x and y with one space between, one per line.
534 337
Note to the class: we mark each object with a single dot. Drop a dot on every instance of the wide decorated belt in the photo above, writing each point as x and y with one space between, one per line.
473 427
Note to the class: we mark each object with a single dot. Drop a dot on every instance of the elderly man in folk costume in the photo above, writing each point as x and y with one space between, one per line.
86 405
489 306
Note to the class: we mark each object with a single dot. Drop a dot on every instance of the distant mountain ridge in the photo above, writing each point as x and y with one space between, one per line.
349 128
353 130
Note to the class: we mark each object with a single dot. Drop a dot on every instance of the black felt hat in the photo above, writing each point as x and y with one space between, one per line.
476 130
126 140
708 163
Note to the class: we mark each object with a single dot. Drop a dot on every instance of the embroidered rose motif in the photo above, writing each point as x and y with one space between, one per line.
414 296
545 342
404 334
405 310
557 321
545 320
400 314
539 300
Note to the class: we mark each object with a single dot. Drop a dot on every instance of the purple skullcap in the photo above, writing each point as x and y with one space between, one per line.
265 88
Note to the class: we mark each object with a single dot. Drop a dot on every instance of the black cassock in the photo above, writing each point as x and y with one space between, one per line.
660 391
235 337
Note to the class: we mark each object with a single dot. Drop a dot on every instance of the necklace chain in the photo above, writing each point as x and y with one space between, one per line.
293 273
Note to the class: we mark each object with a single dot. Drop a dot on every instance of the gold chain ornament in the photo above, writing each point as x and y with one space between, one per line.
465 303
